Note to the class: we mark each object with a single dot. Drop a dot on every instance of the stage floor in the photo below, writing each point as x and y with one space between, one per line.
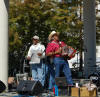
8 94
14 94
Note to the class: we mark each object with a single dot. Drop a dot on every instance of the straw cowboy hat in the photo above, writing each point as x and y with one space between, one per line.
52 34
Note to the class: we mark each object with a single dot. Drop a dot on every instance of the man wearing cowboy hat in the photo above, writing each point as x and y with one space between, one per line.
35 54
54 50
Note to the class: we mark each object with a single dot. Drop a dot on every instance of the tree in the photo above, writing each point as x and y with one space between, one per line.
33 17
97 23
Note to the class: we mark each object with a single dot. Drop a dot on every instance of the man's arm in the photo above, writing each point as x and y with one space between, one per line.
29 54
42 54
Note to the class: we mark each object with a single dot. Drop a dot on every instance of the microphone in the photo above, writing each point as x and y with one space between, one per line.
60 44
29 44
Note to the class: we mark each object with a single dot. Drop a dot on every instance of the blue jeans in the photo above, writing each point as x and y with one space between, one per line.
38 73
52 76
59 63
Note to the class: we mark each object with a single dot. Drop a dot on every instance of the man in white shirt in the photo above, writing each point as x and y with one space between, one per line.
35 54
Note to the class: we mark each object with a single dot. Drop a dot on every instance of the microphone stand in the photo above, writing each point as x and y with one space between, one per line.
22 60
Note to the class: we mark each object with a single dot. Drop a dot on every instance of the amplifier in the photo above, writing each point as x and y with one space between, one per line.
61 81
20 77
61 88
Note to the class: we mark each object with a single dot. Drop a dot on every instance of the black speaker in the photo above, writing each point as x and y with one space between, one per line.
27 87
2 86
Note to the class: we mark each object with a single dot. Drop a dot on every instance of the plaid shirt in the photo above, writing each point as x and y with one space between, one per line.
54 46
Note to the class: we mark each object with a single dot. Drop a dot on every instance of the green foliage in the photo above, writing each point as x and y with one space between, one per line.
33 17
98 31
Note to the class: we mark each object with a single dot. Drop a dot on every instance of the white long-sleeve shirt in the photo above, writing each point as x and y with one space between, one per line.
33 53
